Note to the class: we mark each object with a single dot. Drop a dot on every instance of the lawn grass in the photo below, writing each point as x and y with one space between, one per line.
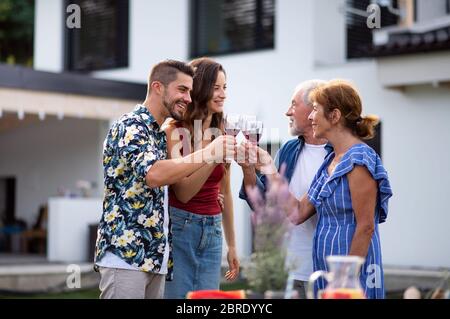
236 285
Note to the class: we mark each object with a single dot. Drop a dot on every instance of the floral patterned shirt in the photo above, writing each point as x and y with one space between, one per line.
132 224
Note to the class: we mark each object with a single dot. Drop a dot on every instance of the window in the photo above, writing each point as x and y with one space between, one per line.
16 31
102 41
359 36
229 26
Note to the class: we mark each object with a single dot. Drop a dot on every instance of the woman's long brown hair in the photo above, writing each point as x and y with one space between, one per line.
206 71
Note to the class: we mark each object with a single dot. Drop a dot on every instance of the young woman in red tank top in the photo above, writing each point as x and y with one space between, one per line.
196 215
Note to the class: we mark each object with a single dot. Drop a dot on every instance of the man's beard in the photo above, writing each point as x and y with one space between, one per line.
170 106
294 131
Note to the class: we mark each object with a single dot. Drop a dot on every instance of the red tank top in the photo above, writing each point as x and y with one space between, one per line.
205 201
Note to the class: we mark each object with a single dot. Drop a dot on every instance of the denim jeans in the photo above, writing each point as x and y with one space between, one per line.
197 253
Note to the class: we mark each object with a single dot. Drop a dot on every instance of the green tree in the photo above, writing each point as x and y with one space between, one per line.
16 31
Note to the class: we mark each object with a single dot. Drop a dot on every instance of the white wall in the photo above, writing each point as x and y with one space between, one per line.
49 35
416 148
329 32
49 155
425 12
416 135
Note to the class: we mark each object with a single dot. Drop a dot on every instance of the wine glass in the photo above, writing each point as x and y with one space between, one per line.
253 129
247 124
233 124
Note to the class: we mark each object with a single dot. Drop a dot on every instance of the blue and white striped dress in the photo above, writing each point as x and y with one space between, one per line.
331 197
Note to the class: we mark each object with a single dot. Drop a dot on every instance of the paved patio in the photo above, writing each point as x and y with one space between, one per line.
34 274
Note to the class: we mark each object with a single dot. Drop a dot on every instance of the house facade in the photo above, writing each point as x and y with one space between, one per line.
267 47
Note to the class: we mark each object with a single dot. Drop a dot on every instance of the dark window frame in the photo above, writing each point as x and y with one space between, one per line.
194 51
415 10
122 40
376 141
10 183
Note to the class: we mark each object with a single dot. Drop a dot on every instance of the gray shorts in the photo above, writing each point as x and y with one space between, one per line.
130 284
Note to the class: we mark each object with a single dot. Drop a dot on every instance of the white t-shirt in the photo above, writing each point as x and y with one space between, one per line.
111 260
301 237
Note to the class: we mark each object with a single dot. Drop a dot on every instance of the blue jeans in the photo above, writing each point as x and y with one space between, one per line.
197 253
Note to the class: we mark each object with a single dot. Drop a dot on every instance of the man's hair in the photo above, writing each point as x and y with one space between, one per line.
307 87
166 72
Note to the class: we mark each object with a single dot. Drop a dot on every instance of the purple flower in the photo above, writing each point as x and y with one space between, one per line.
269 213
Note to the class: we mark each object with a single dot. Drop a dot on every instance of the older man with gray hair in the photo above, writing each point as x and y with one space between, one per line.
302 157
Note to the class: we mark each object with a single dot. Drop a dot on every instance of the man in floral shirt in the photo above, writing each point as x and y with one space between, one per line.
133 249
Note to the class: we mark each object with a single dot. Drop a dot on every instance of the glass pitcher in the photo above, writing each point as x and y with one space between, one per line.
343 279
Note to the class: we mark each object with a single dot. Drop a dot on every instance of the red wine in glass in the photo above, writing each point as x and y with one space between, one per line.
253 131
253 136
232 131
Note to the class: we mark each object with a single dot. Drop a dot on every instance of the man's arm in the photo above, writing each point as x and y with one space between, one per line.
304 209
186 187
252 178
168 172
141 153
249 176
